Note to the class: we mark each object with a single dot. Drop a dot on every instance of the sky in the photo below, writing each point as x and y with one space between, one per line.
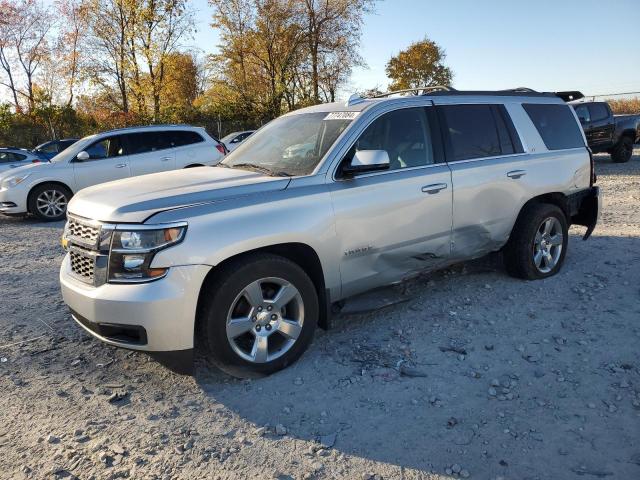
587 45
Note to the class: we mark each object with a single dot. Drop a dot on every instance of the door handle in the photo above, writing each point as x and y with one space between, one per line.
516 174
165 159
121 165
434 188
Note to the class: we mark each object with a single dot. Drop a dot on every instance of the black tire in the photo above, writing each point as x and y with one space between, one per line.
220 295
34 202
623 151
519 252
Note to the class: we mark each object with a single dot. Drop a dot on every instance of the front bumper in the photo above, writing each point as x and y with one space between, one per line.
162 313
13 200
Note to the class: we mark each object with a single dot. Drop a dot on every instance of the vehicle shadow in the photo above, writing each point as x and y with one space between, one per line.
406 376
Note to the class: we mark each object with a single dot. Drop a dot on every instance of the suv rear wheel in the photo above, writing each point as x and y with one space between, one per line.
623 150
49 202
259 315
538 242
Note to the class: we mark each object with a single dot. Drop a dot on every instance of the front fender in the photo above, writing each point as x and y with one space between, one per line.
219 231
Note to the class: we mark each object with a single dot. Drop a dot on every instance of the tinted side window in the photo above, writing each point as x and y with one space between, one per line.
556 125
583 113
8 157
66 144
106 148
472 131
49 148
598 111
148 142
403 134
185 137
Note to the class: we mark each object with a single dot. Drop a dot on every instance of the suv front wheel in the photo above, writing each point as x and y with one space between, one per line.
258 316
538 242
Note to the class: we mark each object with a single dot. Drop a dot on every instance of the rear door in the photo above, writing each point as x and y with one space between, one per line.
151 152
107 161
486 159
601 126
193 150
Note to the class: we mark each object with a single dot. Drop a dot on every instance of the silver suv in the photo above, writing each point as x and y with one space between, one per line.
247 259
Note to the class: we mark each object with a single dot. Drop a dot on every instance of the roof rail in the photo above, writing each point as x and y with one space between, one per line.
520 89
424 90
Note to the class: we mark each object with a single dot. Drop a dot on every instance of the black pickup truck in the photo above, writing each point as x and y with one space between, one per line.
606 132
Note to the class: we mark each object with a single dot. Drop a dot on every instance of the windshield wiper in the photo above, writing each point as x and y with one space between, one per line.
259 168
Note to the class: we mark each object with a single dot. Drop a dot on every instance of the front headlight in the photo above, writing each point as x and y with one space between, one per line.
132 252
15 180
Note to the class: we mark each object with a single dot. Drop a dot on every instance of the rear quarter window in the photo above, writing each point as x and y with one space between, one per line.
185 137
556 125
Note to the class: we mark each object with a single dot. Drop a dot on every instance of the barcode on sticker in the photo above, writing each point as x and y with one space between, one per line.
341 115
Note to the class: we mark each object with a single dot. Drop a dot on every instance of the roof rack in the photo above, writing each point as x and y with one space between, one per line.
424 90
441 90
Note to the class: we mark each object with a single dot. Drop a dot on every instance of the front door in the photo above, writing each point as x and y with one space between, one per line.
107 161
601 126
393 223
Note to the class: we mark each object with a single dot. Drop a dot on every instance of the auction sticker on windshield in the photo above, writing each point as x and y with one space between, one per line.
341 116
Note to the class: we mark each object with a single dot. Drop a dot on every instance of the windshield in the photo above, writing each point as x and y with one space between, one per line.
68 153
292 145
229 137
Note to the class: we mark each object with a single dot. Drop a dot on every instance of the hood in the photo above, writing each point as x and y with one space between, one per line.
133 200
12 172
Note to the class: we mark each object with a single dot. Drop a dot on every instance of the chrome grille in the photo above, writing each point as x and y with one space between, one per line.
82 265
83 232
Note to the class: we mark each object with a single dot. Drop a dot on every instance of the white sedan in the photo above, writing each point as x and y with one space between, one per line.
17 157
45 189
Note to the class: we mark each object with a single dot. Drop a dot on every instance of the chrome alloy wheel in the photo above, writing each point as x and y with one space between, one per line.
547 246
51 203
265 320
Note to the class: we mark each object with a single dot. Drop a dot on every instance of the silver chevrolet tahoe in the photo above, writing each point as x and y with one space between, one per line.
245 259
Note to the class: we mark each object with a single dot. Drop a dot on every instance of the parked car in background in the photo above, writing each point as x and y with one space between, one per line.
117 154
606 132
248 258
12 157
50 149
233 140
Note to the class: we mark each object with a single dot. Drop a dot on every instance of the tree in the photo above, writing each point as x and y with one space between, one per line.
71 43
24 33
160 26
110 24
420 65
333 29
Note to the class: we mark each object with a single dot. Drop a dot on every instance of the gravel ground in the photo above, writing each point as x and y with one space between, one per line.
462 373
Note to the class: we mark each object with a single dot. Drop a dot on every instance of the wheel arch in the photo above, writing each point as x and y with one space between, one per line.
193 165
46 182
554 198
302 254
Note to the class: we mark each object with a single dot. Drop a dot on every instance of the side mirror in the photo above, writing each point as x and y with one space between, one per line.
367 161
82 156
